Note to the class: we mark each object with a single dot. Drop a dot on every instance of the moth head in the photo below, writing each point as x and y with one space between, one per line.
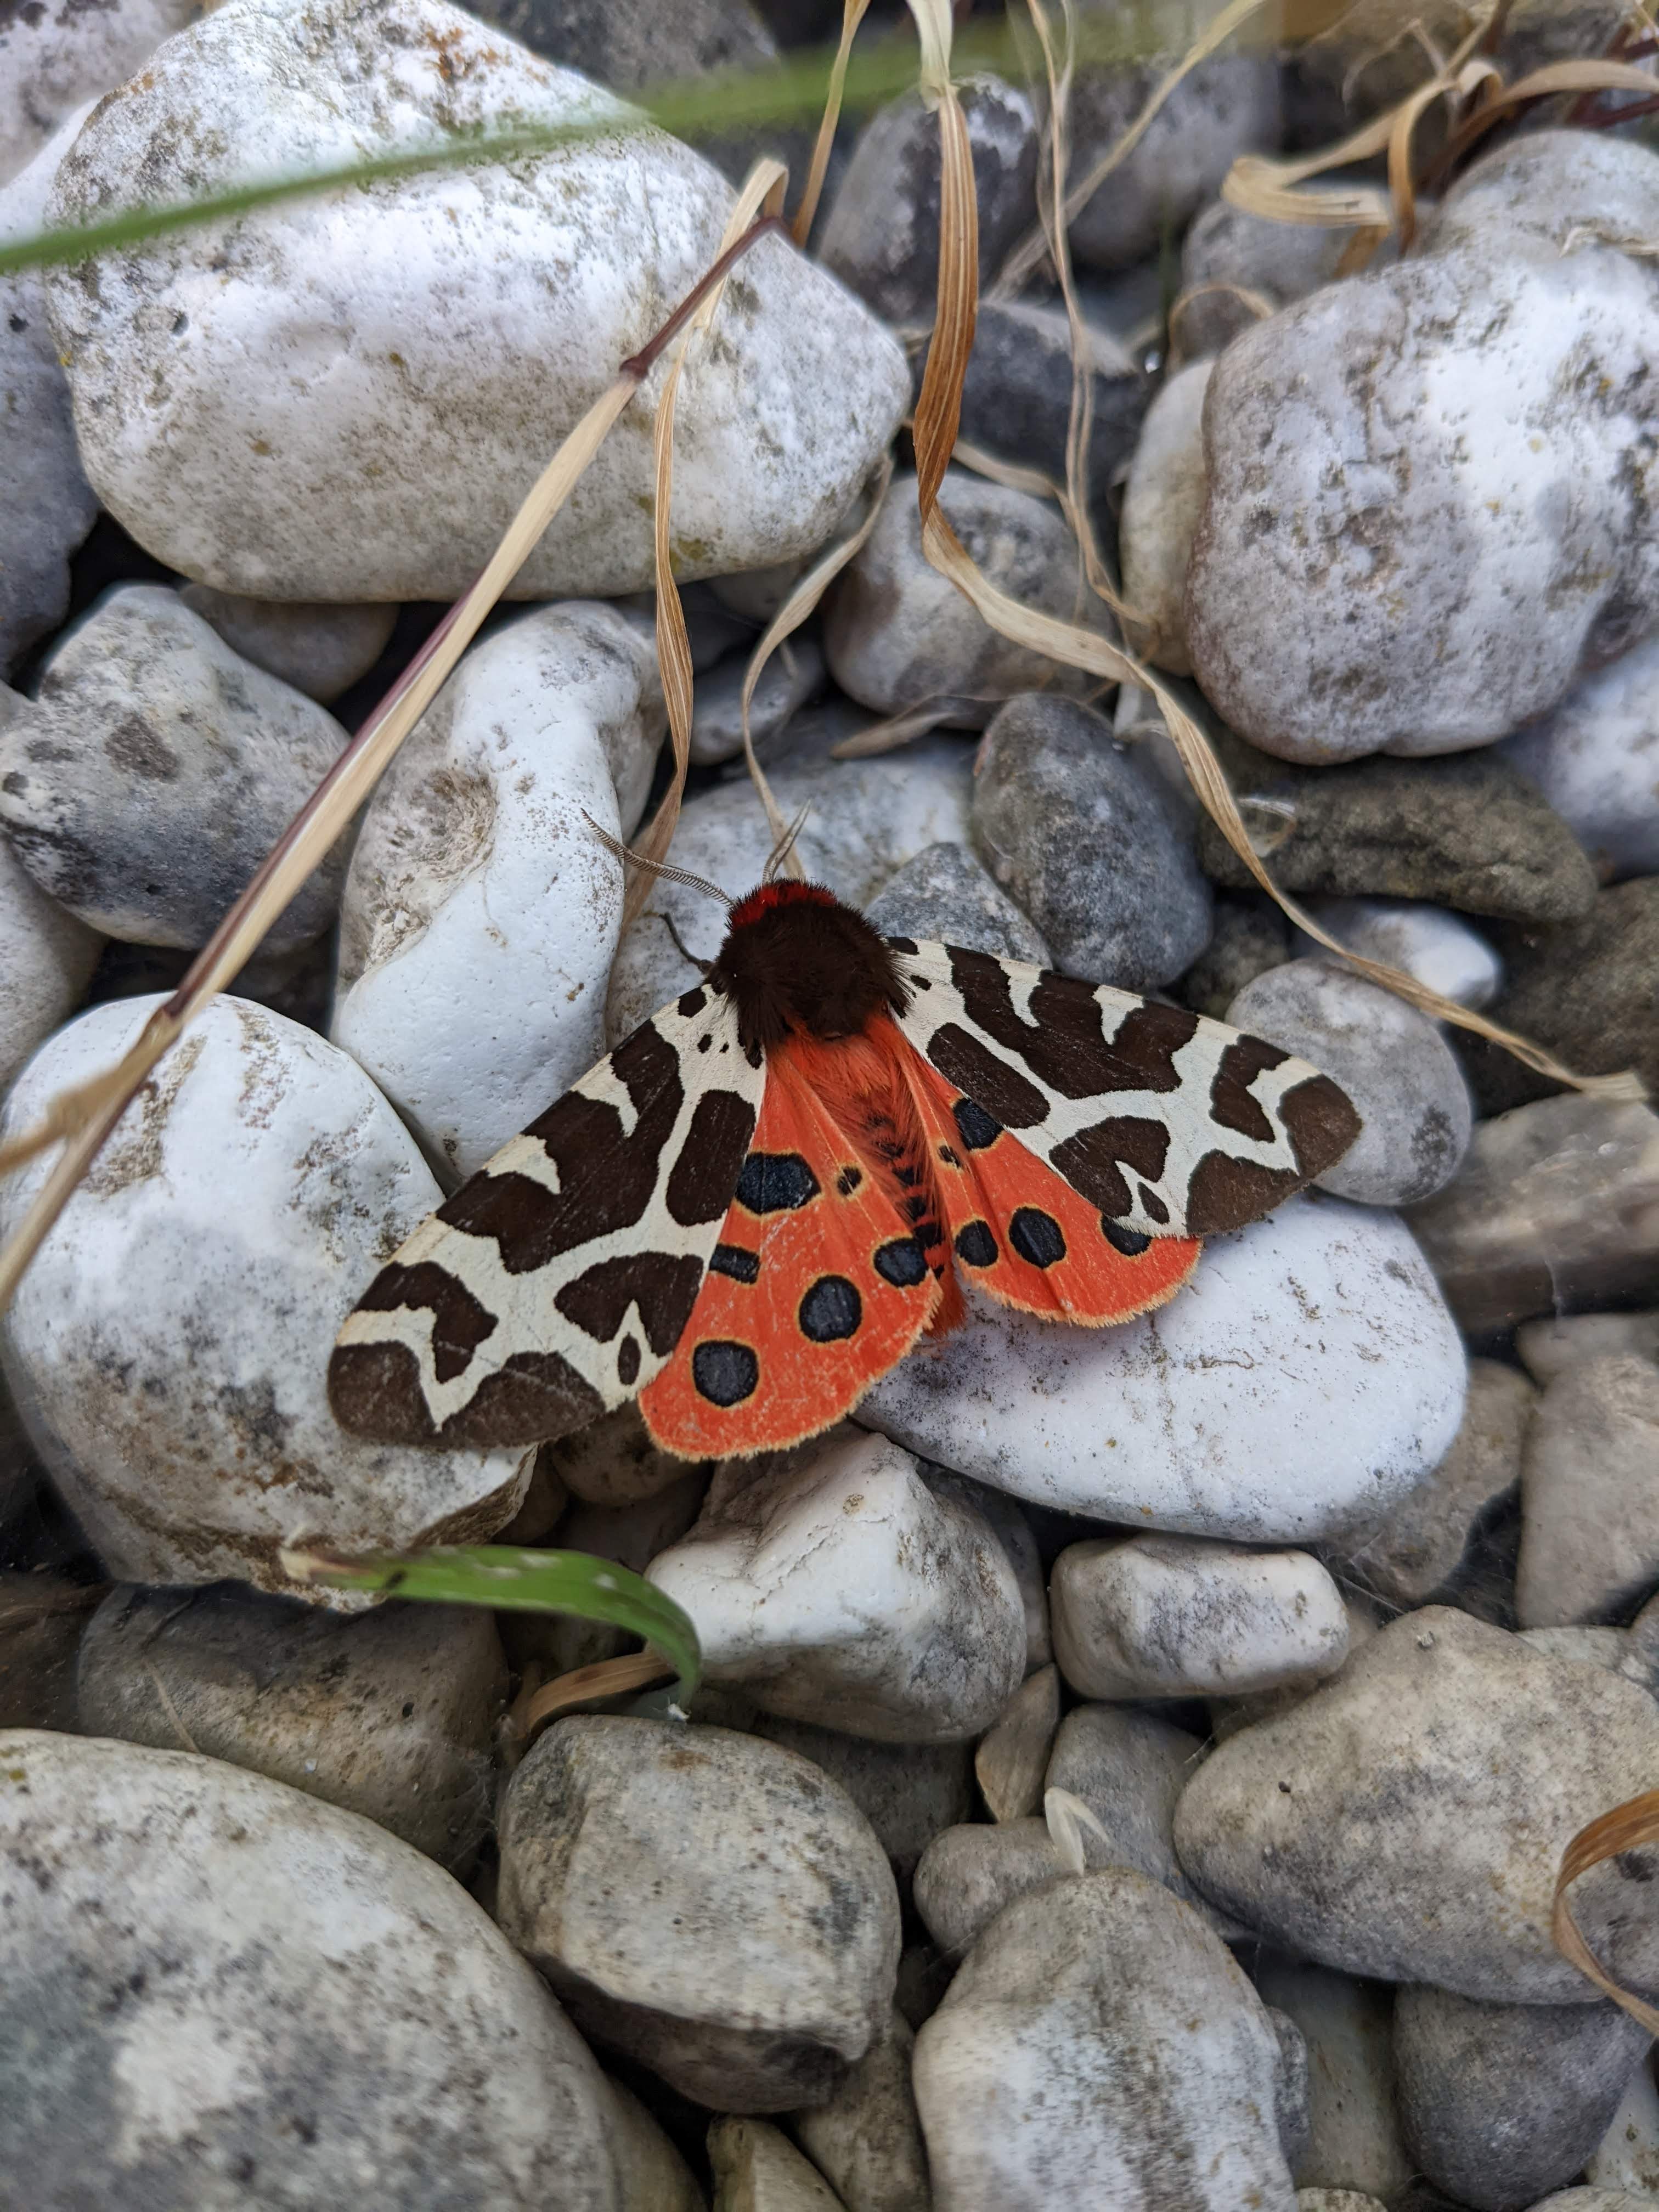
796 959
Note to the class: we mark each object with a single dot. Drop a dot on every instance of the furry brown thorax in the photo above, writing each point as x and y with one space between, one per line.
795 958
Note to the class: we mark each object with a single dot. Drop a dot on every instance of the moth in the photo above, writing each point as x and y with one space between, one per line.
762 1200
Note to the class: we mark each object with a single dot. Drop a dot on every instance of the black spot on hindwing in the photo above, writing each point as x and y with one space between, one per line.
731 1260
831 1310
901 1261
975 1246
724 1373
775 1182
1036 1236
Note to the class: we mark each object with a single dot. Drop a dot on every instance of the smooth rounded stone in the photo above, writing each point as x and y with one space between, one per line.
42 1618
1232 259
1390 1057
628 47
1590 1521
1225 107
845 1585
968 1874
56 63
46 505
947 893
1013 1532
1099 2046
1418 536
1627 2156
1337 2200
908 1792
1406 1821
1245 942
1085 838
1438 948
1548 1348
168 1347
672 1884
156 770
1163 499
221 1991
899 637
1469 832
213 400
1012 1757
50 957
319 649
1292 2102
481 913
867 819
1556 1208
757 2169
1017 392
1500 2104
613 1461
1227 1716
1306 1381
390 1714
1129 1768
651 2175
1353 2137
789 679
1595 758
1586 991
881 231
632 1534
1606 1648
1529 196
1419 1547
1594 2200
1174 1617
866 2140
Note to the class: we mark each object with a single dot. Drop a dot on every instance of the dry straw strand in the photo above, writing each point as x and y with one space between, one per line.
852 13
1625 1829
533 1708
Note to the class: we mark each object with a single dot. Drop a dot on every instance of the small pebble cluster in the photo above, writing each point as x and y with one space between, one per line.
1133 1767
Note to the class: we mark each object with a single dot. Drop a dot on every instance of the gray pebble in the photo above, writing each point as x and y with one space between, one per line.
788 680
1596 759
1229 252
1246 941
908 1792
1129 1768
967 1875
1353 2138
1393 1061
157 770
1017 394
866 2140
1087 840
319 649
1163 499
1547 1348
1590 1530
945 894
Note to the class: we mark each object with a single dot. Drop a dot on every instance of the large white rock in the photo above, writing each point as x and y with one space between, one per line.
1596 759
1099 2046
55 60
442 331
1304 1382
221 1992
481 913
839 1584
865 819
169 1345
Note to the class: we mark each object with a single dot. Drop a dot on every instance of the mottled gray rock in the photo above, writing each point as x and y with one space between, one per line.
1586 990
671 1885
629 47
1245 942
1337 2200
54 61
788 680
651 2175
168 1347
1225 107
1556 1208
1374 575
1085 838
866 2140
1017 393
1529 195
968 1874
1470 832
390 1714
1099 2038
946 894
757 2169
1548 1348
1417 1549
1234 265
1438 948
320 650
155 771
1589 1525
1129 1768
1393 1061
1595 758
221 1991
900 637
1162 500
1012 1757
1172 1617
481 913
1354 2137
1292 2102
880 233
187 423
1592 2200
844 1585
1013 1532
1500 2104
50 957
46 505
1227 1716
908 1792
1407 1821
1606 1648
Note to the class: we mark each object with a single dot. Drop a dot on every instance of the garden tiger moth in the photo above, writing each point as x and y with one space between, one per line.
766 1195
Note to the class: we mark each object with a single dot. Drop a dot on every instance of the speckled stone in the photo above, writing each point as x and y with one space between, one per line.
908 1792
50 957
1354 2137
671 1884
1230 254
1129 1767
214 397
789 679
1017 393
1087 840
1246 941
1548 1348
1438 948
1163 499
946 894
320 650
1590 1521
1596 759
868 2139
221 1991
54 61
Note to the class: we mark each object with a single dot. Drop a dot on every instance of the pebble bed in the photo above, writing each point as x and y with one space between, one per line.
1133 1767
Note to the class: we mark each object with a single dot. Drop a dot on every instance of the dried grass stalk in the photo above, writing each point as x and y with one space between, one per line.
1625 1829
852 16
532 1709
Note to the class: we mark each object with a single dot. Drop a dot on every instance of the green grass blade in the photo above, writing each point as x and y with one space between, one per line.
501 1575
